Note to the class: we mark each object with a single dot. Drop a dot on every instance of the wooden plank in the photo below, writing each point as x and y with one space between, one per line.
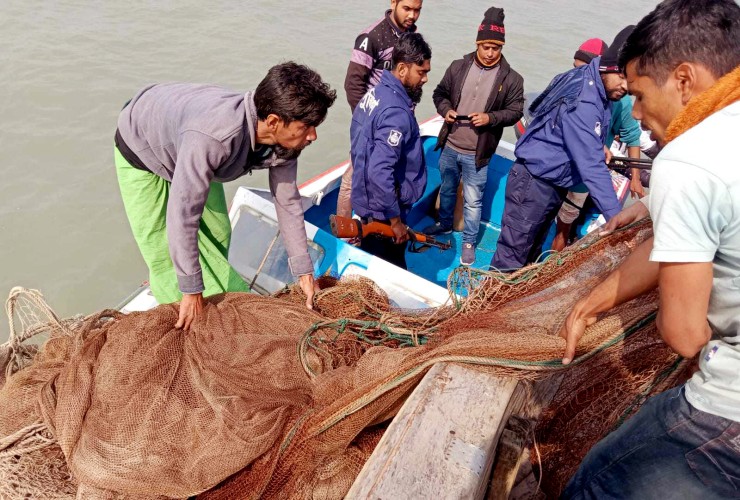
540 396
525 484
509 456
442 442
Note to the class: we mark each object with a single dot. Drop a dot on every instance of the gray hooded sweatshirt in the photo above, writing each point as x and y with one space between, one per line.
191 135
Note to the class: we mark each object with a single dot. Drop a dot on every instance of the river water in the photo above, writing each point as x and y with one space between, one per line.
67 67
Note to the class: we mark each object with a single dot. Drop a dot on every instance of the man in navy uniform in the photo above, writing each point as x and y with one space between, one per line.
372 55
562 147
389 170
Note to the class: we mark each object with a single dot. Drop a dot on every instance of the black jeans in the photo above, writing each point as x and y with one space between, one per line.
385 248
531 205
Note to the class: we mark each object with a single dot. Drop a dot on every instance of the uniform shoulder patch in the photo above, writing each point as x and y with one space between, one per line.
394 138
597 129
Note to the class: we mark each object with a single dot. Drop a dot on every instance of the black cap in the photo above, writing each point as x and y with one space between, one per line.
492 27
610 60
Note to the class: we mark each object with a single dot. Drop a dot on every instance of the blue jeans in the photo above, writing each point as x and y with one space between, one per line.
668 450
453 165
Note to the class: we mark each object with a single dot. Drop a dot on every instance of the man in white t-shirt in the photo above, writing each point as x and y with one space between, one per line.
682 64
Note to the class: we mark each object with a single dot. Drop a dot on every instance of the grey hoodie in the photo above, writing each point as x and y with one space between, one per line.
191 135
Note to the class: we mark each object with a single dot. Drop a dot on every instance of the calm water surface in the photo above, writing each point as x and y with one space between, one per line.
67 67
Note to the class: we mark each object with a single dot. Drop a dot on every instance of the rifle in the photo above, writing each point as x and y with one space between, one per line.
620 162
344 227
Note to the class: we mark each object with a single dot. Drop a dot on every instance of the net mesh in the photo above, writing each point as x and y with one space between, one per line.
264 398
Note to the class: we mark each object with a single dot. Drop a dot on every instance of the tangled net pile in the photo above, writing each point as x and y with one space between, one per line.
263 398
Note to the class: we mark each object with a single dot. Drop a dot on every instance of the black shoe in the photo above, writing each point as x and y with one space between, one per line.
436 229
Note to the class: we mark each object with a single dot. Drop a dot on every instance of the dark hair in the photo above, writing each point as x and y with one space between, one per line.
294 93
411 48
699 31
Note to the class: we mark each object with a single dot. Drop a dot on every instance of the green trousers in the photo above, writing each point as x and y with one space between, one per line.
145 200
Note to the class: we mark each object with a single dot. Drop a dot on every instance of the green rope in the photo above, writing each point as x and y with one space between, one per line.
536 268
340 326
553 364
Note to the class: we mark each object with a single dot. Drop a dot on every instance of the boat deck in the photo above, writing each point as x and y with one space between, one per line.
434 264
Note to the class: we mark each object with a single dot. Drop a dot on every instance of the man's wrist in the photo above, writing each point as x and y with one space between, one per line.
191 284
300 264
586 308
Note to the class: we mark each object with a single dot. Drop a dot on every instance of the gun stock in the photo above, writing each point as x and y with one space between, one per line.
344 227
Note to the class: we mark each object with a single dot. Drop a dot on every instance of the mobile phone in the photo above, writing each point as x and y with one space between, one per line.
462 118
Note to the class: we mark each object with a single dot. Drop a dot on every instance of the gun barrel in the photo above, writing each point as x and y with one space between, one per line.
429 240
623 162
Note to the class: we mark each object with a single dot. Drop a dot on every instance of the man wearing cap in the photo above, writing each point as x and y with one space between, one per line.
562 147
622 125
370 57
489 94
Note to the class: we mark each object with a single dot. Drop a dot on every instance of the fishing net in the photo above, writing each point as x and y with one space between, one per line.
264 398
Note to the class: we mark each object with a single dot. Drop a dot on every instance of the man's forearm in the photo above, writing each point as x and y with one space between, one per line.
289 210
355 83
634 277
441 96
507 116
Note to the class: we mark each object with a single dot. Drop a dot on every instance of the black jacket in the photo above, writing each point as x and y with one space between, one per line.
504 107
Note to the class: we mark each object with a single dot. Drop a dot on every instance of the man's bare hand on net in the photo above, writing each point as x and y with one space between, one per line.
572 331
633 213
309 287
191 306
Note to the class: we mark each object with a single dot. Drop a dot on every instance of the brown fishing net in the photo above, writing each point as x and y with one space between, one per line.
263 398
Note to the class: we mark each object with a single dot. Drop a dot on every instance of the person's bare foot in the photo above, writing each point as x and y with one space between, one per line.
558 243
561 236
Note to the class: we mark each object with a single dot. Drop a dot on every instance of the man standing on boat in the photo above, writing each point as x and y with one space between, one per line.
685 442
175 146
390 173
478 96
562 147
370 57
621 125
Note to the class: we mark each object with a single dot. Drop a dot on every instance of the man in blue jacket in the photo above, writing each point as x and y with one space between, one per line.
623 126
389 171
373 54
562 147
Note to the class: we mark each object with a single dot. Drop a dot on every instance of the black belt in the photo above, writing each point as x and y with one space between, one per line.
128 154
